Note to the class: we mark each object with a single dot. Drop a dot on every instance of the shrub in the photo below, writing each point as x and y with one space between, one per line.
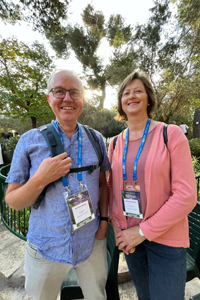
8 147
196 165
195 147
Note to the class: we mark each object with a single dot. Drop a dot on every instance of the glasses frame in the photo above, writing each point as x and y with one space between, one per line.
69 91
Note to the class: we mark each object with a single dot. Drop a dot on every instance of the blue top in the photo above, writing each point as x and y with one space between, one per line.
49 225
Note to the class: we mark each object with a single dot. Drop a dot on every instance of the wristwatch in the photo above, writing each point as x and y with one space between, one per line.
103 218
140 231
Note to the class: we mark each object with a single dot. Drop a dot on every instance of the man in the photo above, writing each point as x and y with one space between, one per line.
54 244
184 128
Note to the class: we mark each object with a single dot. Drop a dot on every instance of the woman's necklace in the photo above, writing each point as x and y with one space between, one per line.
138 137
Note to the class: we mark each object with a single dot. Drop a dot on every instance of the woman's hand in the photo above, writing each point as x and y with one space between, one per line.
128 239
117 231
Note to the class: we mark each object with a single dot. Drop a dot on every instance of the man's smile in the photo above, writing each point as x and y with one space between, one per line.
67 108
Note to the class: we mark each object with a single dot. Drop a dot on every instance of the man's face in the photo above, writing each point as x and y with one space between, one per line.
66 109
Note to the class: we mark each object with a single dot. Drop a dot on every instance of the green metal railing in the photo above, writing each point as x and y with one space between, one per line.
17 221
198 187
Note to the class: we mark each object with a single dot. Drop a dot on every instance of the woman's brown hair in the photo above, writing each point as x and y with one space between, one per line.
148 88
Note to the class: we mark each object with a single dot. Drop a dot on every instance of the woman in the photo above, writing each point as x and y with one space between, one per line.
152 190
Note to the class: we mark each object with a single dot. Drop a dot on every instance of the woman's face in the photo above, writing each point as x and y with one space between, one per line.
134 98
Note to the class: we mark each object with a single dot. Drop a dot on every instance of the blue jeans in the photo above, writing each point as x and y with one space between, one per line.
158 271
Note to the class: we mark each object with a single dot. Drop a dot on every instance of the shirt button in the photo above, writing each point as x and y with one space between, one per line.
71 176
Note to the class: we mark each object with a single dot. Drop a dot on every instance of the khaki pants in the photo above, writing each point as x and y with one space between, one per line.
43 278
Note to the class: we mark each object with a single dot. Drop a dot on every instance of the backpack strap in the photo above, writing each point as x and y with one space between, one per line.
165 134
94 141
52 138
55 147
114 142
40 197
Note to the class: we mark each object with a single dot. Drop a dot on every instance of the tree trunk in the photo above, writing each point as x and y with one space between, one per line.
103 95
196 124
34 122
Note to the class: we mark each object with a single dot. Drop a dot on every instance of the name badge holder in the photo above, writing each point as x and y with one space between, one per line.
78 200
130 194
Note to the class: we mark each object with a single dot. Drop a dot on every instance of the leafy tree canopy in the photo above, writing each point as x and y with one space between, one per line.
48 17
166 47
85 40
23 74
168 51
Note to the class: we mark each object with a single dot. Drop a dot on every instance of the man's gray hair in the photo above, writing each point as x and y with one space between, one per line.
70 72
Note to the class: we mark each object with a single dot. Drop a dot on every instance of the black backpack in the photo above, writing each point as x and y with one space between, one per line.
55 147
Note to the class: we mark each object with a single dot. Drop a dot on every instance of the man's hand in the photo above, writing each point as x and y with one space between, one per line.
19 196
53 168
102 230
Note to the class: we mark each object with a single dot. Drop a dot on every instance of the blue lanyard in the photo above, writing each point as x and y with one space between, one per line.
79 174
138 153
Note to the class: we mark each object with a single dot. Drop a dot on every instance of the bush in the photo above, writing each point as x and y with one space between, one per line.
8 147
195 147
196 165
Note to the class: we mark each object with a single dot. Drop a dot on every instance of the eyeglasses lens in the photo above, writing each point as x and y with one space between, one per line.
60 93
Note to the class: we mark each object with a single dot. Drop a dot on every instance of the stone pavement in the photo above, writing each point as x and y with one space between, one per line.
12 278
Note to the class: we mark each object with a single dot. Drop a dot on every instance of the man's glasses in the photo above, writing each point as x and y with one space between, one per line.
61 92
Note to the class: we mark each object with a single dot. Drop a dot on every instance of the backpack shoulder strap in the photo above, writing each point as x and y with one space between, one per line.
55 147
114 142
52 138
165 134
94 141
164 137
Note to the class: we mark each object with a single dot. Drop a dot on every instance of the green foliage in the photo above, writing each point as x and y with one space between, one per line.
23 220
117 33
47 17
23 76
95 20
8 147
102 120
9 12
10 124
17 220
121 65
195 147
166 47
196 165
189 13
86 41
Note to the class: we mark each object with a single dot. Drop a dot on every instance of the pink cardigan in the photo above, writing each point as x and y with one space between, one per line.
168 204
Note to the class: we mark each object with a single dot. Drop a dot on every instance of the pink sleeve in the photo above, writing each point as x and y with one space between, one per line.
183 196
